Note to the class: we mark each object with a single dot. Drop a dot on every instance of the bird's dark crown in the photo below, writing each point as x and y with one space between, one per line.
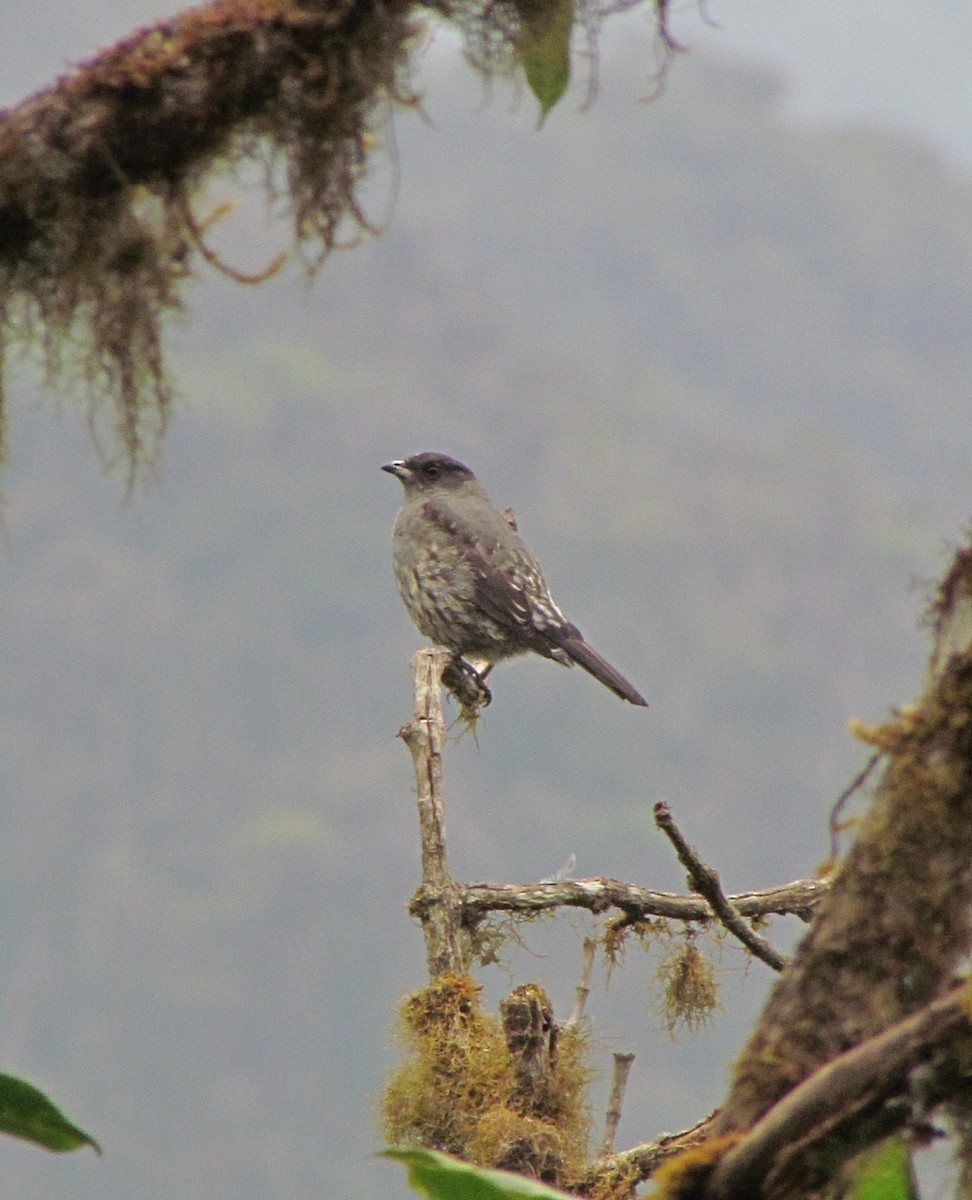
430 469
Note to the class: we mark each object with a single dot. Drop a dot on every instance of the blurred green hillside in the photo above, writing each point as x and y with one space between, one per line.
720 365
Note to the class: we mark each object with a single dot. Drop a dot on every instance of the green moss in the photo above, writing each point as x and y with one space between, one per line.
457 1089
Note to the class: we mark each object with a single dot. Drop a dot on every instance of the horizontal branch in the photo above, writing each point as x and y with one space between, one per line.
598 895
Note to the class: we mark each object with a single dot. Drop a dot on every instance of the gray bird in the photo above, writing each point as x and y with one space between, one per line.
469 583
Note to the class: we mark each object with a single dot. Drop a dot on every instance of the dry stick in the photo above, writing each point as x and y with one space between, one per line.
706 883
438 901
857 782
425 737
584 985
619 1081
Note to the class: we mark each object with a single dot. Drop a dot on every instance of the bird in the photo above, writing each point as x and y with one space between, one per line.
470 584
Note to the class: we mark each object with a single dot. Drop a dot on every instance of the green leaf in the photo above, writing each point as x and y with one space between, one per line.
27 1113
882 1173
544 48
442 1177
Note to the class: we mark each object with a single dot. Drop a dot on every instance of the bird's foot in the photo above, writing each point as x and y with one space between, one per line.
467 685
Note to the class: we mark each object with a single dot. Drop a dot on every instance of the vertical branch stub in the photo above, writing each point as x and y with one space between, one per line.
438 902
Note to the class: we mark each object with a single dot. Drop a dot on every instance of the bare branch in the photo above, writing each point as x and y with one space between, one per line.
599 895
706 882
584 985
437 902
612 1118
858 781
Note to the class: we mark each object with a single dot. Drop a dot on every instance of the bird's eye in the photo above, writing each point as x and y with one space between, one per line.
431 470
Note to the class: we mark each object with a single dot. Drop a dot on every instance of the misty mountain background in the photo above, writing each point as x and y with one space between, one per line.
718 362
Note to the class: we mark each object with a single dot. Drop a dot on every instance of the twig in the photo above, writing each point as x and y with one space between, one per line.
706 882
870 1076
584 984
857 782
619 1081
438 901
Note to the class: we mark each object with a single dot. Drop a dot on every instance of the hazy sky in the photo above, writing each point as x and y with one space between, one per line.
889 61
904 64
897 63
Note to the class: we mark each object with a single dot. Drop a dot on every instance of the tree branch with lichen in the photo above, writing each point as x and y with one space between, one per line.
884 1084
98 171
633 902
438 902
445 906
544 1091
889 935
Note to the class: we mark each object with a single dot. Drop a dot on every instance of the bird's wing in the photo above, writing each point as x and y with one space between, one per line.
503 593
514 593
508 586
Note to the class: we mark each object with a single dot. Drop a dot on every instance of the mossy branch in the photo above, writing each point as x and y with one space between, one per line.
514 1130
897 921
96 174
889 936
891 1080
98 171
617 1175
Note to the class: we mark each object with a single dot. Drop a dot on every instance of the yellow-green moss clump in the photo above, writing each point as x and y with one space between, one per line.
458 1089
689 989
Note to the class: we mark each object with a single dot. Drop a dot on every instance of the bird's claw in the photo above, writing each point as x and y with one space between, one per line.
467 685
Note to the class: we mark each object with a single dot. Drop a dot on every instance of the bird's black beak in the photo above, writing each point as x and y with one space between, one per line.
397 468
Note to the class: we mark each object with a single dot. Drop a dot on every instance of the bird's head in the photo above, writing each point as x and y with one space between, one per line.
429 472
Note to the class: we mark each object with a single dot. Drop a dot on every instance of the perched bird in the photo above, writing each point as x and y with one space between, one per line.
469 583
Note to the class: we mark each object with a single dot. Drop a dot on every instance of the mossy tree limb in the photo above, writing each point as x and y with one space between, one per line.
528 1118
893 930
97 173
474 1085
619 1174
99 170
858 1099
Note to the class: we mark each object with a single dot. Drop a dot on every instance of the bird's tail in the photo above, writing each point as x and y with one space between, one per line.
587 657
